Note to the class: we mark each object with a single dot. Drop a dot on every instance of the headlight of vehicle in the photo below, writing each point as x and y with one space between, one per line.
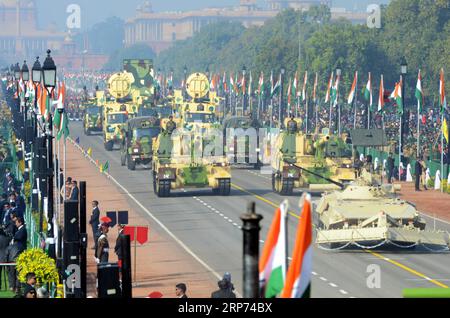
110 129
258 150
136 150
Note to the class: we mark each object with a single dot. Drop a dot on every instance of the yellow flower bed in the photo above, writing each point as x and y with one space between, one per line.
36 261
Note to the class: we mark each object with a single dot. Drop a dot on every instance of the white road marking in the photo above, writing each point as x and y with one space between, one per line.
314 273
343 291
333 285
323 278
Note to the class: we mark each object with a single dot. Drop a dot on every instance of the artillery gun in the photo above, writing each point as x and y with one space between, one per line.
366 212
323 154
180 158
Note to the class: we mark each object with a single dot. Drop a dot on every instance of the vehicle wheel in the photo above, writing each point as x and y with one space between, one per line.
257 165
130 163
215 191
109 146
88 132
163 190
224 187
277 184
123 159
287 186
155 190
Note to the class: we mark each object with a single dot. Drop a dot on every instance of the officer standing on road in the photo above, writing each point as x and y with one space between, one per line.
118 247
418 169
390 167
102 252
95 220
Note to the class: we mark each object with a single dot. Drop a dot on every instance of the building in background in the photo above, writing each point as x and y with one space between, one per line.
22 39
160 30
19 32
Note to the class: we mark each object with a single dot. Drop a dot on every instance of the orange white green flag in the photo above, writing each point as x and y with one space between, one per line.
272 264
298 278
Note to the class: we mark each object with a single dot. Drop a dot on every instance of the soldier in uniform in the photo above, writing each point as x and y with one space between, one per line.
171 126
292 126
102 252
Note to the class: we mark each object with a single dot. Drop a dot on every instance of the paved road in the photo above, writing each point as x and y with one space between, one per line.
209 226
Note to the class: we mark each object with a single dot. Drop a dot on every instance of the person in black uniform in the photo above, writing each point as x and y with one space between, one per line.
390 167
19 245
75 191
224 291
180 290
94 221
418 170
118 247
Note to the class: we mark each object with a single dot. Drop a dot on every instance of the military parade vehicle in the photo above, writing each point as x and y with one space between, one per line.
367 213
137 145
323 154
92 119
118 109
180 159
241 141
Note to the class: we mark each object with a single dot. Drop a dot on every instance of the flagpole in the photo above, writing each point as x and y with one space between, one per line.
355 101
399 147
442 148
418 128
307 114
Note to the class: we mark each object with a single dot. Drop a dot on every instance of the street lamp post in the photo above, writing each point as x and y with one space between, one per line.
185 78
49 78
25 78
36 76
280 106
403 119
244 93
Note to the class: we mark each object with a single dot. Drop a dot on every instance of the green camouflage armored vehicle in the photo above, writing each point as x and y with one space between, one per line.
326 155
179 162
137 146
92 119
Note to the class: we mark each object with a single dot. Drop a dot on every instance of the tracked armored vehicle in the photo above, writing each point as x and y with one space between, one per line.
368 214
180 159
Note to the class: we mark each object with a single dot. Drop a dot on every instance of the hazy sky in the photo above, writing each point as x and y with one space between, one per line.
93 11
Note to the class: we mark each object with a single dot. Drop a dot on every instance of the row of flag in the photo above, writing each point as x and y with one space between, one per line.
45 102
234 84
276 280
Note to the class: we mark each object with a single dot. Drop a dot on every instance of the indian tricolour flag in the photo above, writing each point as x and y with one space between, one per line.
351 95
442 98
298 278
397 95
272 264
419 93
367 92
305 81
381 95
330 83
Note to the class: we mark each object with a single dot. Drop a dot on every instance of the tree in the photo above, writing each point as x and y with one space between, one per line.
137 51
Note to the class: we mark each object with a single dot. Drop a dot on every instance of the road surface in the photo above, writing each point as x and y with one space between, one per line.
209 225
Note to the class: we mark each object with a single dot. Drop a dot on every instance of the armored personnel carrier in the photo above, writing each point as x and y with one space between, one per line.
137 145
324 155
366 213
180 159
